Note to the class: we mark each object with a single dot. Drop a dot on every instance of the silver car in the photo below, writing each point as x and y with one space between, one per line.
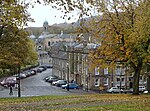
115 90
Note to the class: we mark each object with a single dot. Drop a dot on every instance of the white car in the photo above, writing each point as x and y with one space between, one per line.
115 90
142 88
59 82
54 82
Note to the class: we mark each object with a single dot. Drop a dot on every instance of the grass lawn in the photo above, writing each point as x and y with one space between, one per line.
90 102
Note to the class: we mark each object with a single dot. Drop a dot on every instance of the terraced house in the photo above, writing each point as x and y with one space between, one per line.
71 61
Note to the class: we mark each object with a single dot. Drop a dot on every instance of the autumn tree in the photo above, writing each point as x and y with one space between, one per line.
126 36
16 48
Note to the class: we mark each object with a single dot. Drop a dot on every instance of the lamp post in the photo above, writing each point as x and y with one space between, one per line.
63 73
19 91
87 82
68 76
85 66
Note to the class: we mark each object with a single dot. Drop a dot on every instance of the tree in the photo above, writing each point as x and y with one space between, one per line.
15 47
126 36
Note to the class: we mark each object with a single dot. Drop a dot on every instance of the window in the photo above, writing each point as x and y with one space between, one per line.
96 70
122 79
105 71
86 70
78 68
97 82
118 71
105 81
118 79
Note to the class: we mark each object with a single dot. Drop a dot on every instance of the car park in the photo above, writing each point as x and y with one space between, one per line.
71 86
115 90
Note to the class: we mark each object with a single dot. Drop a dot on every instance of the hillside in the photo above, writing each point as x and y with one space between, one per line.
54 29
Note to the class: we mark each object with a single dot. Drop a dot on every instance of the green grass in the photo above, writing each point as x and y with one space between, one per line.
91 102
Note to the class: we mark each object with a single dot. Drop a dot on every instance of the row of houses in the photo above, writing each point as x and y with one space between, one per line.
71 62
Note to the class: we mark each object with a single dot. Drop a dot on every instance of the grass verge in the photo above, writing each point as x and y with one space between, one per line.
90 102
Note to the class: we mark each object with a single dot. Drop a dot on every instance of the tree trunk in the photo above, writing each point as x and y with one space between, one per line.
148 84
136 76
148 78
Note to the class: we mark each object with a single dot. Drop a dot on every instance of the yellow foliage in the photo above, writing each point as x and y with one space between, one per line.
122 48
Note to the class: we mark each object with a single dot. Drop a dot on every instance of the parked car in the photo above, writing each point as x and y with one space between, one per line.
141 89
39 70
52 79
115 90
44 67
27 73
33 71
48 66
59 83
71 86
22 75
9 81
49 77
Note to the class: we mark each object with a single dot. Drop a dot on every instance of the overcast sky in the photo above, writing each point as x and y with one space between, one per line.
41 13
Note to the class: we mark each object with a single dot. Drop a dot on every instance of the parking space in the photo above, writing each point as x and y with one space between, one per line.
36 86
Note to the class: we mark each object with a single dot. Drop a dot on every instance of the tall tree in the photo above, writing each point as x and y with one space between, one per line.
15 46
126 36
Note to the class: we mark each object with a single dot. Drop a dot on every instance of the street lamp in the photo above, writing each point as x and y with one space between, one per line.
85 67
68 76
63 73
87 82
19 91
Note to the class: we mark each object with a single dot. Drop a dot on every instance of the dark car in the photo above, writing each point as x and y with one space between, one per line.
44 67
71 86
49 66
39 70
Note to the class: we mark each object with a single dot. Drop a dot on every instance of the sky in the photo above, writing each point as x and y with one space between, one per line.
41 13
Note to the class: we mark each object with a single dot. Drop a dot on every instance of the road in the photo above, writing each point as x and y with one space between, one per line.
36 86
